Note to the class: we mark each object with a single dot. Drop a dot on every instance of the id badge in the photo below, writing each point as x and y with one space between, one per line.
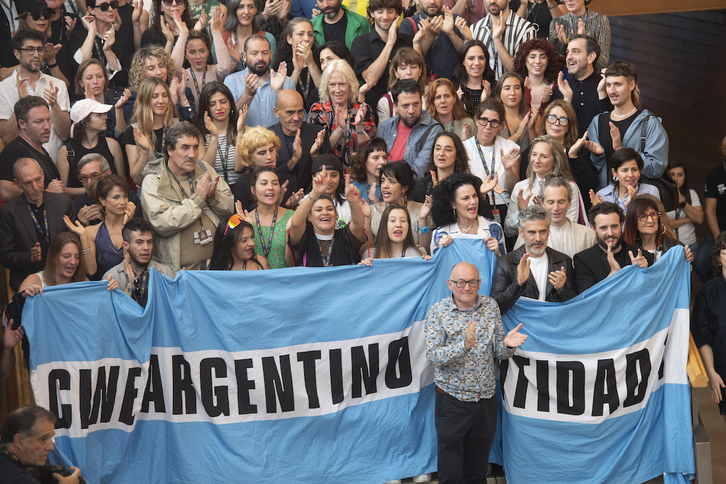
205 237
497 217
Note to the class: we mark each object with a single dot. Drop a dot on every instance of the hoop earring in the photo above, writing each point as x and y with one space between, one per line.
664 229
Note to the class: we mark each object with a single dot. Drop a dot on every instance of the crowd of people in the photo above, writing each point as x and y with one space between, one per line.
251 135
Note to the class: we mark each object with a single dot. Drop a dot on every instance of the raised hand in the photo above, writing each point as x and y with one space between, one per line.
601 92
319 140
125 96
487 90
532 117
88 213
514 338
295 198
141 140
360 116
615 135
136 14
88 90
320 182
372 193
435 26
108 40
70 25
130 211
35 253
470 336
174 90
209 124
233 51
434 178
201 21
425 209
564 86
490 183
166 31
593 147
352 194
22 86
522 201
51 94
112 283
463 27
558 279
632 193
284 10
50 52
466 132
252 83
581 27
523 269
216 24
297 146
365 208
640 260
498 28
392 34
201 186
241 119
447 25
511 158
244 214
277 79
561 33
76 228
370 82
614 266
340 116
89 23
595 198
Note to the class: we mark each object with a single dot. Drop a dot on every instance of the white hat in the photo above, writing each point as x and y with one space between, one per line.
84 107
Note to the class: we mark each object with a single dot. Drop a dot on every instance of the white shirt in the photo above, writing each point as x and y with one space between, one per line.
9 96
476 164
569 239
686 233
511 222
538 267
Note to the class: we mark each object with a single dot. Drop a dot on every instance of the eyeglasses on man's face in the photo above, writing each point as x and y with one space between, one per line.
462 283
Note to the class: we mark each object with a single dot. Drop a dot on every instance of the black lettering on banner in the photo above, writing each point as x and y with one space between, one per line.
276 386
336 375
209 391
520 392
661 370
605 377
308 359
399 355
503 370
130 393
244 385
59 380
154 392
564 369
182 387
636 389
543 385
364 373
103 398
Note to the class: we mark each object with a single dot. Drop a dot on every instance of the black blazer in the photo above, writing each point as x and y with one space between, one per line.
18 235
591 265
506 291
302 171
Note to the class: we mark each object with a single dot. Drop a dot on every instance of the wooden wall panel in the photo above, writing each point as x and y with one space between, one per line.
639 7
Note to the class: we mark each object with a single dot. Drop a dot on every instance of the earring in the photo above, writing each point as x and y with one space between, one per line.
103 210
664 229
615 178
452 208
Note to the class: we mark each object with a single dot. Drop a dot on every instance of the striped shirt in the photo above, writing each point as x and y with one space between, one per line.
516 31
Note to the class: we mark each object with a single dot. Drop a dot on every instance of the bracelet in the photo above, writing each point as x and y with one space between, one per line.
51 66
87 250
313 199
424 230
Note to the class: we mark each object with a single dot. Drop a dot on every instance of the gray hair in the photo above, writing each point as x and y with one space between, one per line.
91 157
533 212
175 133
557 182
22 162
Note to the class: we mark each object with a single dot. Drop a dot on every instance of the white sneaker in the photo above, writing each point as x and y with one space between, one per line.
395 481
422 478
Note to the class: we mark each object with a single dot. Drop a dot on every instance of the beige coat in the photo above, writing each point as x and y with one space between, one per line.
169 212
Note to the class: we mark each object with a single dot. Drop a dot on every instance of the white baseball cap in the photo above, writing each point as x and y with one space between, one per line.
81 109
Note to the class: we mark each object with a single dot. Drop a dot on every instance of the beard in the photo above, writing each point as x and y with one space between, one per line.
260 69
410 124
604 243
329 14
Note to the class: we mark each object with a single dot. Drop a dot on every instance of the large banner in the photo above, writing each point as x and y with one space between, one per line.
319 375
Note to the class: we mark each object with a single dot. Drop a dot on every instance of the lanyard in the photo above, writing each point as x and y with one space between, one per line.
326 260
194 79
223 158
37 225
306 85
573 25
184 192
452 127
141 285
99 50
483 160
161 154
12 20
265 248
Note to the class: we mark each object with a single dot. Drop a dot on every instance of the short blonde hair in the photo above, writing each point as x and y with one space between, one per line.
253 139
346 72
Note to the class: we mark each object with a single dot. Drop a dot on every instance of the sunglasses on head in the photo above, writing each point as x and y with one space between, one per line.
169 3
106 5
36 16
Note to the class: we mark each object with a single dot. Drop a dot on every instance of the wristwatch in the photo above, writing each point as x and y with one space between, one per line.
682 204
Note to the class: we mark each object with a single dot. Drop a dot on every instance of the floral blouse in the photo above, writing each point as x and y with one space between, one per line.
323 114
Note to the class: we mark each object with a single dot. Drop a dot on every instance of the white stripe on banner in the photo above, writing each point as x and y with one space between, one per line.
590 388
230 387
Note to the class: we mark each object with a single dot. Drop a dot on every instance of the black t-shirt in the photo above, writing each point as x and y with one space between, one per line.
19 148
345 251
623 125
716 188
335 31
11 470
128 139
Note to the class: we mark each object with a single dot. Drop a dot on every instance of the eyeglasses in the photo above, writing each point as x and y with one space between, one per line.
89 178
462 283
494 123
552 119
169 3
645 216
36 16
105 5
33 50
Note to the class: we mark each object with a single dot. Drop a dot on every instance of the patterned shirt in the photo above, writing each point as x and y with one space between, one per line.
323 114
516 31
467 375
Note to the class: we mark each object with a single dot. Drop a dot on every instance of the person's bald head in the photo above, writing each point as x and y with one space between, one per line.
468 275
29 177
290 109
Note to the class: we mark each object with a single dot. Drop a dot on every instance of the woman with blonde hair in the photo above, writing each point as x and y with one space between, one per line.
347 122
407 63
154 113
257 148
91 82
546 156
444 105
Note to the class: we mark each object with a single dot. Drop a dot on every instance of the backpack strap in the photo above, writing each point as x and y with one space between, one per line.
425 136
71 156
413 23
643 132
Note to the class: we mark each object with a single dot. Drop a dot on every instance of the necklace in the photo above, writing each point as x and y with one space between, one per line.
623 116
466 231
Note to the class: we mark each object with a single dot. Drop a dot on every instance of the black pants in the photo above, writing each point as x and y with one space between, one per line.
464 433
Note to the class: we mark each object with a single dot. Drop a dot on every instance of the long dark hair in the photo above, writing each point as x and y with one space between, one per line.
402 173
338 48
444 194
461 163
461 77
638 206
358 169
155 19
225 245
684 188
284 49
497 92
209 90
383 241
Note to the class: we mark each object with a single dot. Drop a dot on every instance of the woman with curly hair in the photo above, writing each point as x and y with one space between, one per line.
407 63
367 163
460 210
164 20
473 77
538 63
143 140
448 156
296 48
444 105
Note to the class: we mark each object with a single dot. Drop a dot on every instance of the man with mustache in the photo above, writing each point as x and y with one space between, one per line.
533 270
410 134
610 253
257 86
336 22
185 202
